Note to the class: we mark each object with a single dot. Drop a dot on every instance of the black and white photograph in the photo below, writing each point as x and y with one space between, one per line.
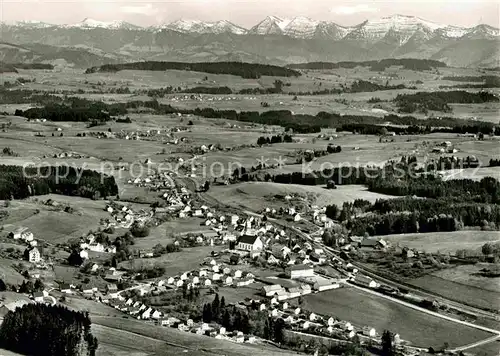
249 177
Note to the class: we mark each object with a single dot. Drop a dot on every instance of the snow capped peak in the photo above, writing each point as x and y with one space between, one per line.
271 25
301 27
91 23
196 26
32 24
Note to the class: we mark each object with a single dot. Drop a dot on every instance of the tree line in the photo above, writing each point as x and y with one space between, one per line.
39 329
438 101
76 109
17 182
244 70
375 65
274 139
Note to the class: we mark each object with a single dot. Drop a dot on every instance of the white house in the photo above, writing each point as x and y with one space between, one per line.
249 243
271 290
228 280
365 281
299 271
370 332
33 255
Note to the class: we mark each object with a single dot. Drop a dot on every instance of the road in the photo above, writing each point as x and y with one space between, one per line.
207 199
426 311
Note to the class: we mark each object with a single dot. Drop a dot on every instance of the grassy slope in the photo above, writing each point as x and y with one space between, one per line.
419 328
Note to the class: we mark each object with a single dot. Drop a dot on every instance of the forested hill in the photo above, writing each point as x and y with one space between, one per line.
245 70
379 65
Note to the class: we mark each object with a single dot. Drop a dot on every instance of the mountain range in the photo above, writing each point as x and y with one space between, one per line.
273 40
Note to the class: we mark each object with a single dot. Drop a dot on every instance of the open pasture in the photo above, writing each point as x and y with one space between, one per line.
256 195
464 293
364 309
445 242
53 225
163 233
176 262
469 275
194 344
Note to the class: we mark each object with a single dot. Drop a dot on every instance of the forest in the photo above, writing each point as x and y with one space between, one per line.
77 109
39 329
241 69
17 182
375 65
439 100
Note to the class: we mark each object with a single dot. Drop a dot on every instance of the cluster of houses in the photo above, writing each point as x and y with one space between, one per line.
211 273
307 322
124 216
89 243
141 311
24 235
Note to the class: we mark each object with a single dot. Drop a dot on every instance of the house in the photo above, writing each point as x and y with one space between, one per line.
22 233
323 284
170 280
228 280
65 288
249 243
345 325
330 321
206 282
111 288
38 297
216 276
365 281
146 314
88 289
294 292
284 306
156 314
33 255
272 260
271 290
306 289
312 317
244 282
237 274
298 271
370 332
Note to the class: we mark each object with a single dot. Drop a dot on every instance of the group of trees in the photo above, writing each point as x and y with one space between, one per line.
250 321
375 65
245 70
439 100
274 139
39 329
18 183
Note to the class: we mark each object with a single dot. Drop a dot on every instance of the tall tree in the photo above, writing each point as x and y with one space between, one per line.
387 343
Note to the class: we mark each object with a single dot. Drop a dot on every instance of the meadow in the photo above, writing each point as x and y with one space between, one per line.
365 309
179 340
445 242
255 195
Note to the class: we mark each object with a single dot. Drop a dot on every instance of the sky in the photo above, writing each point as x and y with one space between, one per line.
247 13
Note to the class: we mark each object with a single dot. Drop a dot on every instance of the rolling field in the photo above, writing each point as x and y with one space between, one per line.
465 293
178 340
468 275
158 235
176 262
256 195
367 310
56 226
445 242
8 274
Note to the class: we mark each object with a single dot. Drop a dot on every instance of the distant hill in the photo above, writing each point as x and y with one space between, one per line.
272 41
30 54
245 70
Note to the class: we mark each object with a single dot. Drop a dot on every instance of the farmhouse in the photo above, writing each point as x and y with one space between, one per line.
271 290
22 233
365 281
249 243
33 255
298 271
